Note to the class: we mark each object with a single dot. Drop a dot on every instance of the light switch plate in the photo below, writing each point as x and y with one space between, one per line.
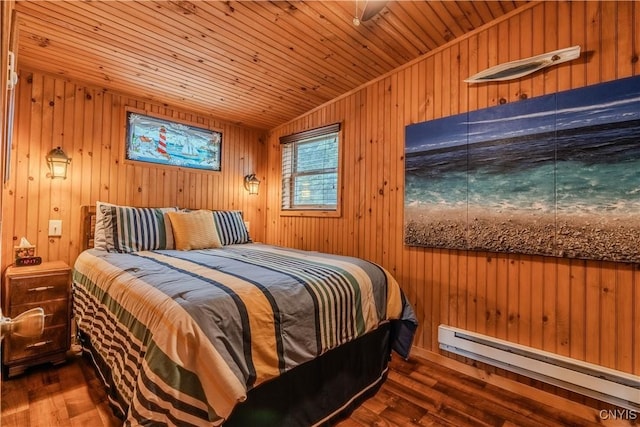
55 227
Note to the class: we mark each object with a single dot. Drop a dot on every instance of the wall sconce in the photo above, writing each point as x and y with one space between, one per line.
251 183
58 162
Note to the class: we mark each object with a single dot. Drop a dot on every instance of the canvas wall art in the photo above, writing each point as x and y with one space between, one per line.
166 142
556 175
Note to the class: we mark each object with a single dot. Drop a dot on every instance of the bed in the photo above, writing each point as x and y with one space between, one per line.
239 333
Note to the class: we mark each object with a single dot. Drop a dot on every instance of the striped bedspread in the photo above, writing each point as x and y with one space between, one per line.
187 333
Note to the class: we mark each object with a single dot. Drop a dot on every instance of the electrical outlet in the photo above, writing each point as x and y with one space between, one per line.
55 227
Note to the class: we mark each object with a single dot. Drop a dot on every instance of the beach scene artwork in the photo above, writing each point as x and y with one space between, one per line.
556 175
157 140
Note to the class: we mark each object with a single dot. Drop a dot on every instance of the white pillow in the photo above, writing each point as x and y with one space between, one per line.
99 238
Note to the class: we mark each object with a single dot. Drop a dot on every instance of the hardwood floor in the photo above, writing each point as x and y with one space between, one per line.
417 392
66 395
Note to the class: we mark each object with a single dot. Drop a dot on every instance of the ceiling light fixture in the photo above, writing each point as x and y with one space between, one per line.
370 9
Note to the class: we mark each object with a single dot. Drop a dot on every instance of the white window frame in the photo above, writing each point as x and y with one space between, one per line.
289 147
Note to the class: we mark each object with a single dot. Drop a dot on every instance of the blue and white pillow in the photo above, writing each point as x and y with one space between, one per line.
129 229
231 227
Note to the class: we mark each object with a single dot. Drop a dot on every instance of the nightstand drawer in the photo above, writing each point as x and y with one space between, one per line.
52 340
55 312
33 289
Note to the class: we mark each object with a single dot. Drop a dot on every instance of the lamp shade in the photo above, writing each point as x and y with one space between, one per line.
251 183
58 163
28 324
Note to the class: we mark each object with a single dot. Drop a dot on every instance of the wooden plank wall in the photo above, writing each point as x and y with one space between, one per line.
588 310
89 124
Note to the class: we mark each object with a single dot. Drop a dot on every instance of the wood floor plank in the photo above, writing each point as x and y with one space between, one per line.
375 404
444 401
442 406
15 399
430 419
366 418
403 412
476 392
88 418
417 392
20 418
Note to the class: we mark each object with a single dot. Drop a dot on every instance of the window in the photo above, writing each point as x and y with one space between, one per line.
310 169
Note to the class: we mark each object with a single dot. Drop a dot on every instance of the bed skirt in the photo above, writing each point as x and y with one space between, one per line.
314 393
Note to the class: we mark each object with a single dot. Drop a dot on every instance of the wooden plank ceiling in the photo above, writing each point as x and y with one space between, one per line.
254 63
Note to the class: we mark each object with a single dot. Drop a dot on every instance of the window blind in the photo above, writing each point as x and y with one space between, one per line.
310 169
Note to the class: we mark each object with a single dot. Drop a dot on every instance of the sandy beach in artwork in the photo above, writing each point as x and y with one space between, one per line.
535 233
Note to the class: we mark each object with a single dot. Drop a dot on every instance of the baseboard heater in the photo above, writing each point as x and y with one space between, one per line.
609 385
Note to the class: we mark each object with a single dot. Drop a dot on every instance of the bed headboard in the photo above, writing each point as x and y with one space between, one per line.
87 226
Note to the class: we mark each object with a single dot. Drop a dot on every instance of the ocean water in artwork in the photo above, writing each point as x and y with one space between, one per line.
559 175
597 171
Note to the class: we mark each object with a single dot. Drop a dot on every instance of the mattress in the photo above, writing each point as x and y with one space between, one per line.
187 334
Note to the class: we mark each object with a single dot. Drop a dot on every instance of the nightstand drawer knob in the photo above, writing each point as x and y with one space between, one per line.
38 344
40 289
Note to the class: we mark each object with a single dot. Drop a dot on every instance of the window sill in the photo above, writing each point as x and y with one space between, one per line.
311 213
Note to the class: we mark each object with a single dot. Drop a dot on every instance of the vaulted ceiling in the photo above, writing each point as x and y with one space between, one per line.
255 63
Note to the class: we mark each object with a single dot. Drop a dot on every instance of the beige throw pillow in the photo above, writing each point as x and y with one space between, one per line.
194 230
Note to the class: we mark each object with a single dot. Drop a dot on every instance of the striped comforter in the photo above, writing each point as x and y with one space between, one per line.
187 333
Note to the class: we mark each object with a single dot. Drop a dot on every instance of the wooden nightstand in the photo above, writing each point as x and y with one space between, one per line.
47 285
